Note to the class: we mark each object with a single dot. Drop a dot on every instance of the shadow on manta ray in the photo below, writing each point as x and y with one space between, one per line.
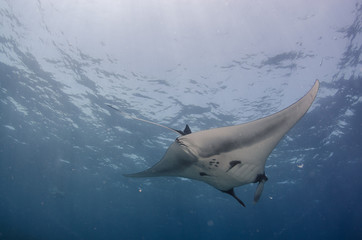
228 157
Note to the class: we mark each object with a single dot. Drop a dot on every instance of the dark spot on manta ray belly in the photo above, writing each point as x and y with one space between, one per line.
204 174
233 164
214 162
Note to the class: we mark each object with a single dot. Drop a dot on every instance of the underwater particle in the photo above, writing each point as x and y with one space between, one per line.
300 165
210 223
139 189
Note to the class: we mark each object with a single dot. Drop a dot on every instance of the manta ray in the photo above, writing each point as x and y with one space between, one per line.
228 157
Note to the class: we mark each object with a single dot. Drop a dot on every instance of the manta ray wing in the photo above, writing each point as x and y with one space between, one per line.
176 159
232 156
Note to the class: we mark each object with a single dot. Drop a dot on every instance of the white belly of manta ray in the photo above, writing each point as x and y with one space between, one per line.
231 156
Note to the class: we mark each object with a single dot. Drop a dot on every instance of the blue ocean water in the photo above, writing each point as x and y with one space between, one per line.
63 151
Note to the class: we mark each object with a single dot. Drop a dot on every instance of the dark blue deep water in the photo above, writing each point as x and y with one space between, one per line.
210 64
